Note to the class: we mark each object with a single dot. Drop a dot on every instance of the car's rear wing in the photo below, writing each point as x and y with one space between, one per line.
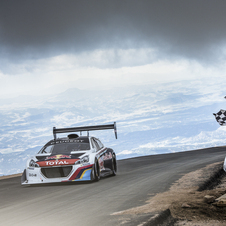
84 128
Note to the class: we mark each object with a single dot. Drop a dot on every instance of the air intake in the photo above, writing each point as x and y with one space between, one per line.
72 136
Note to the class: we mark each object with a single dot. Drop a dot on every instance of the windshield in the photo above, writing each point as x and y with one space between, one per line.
65 148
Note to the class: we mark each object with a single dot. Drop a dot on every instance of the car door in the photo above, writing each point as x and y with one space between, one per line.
105 159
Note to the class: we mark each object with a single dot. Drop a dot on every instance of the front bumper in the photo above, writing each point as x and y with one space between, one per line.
40 175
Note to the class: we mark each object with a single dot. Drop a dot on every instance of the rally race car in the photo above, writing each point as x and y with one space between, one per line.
71 158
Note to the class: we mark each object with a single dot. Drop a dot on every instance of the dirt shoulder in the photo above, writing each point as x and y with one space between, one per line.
10 176
186 203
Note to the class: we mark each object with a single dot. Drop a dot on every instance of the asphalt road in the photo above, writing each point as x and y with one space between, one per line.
93 203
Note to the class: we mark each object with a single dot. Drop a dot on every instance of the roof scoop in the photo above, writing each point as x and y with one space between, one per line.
72 136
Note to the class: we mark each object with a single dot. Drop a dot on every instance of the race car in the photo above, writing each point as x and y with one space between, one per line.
71 158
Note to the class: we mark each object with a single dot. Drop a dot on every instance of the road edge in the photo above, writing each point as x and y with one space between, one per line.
164 218
10 176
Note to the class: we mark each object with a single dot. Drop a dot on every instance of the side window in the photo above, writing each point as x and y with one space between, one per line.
92 143
96 144
100 144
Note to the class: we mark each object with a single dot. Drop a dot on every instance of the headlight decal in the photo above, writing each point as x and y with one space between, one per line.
32 163
84 160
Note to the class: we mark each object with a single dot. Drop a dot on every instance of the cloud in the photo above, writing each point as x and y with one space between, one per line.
180 143
102 59
65 119
87 71
40 29
20 118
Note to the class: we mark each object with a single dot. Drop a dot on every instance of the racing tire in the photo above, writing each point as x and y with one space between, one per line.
114 165
95 174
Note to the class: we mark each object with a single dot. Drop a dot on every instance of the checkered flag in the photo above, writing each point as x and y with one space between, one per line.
221 117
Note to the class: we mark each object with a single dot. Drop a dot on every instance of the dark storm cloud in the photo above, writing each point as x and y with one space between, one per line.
42 28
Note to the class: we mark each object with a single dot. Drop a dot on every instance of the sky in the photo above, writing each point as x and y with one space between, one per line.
49 46
160 63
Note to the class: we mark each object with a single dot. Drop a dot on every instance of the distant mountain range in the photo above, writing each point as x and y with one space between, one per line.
151 119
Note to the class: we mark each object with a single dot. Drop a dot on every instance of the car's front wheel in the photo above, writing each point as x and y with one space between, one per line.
95 174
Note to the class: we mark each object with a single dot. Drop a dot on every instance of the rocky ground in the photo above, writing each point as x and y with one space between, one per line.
195 209
188 202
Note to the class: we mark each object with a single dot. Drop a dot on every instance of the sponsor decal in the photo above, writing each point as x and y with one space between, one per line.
57 162
66 141
104 157
107 156
32 175
58 157
31 168
101 152
101 163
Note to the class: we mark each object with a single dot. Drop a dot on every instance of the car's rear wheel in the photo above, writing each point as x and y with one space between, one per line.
114 165
95 174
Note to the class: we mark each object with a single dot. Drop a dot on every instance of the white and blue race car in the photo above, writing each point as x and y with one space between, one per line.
71 158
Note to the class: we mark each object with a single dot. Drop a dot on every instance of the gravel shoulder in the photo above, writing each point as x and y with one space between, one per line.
185 200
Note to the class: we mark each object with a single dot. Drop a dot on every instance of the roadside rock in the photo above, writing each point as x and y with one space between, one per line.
209 199
185 205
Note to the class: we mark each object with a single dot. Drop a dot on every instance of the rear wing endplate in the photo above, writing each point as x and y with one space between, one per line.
84 128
